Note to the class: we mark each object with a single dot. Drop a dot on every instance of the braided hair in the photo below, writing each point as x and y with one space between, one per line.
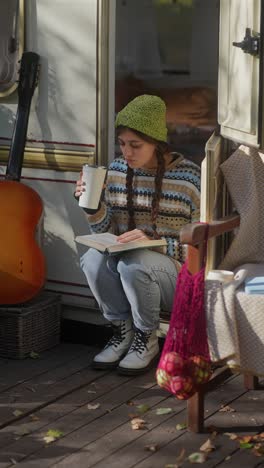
161 149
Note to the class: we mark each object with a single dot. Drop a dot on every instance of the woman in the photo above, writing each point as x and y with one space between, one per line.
150 193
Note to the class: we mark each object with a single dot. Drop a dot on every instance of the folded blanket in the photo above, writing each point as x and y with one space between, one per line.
244 176
235 322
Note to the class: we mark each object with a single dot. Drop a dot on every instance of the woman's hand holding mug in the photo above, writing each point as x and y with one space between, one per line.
90 185
79 187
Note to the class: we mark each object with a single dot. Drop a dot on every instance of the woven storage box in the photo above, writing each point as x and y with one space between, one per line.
30 327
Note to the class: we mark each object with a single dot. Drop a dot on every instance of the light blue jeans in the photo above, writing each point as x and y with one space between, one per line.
139 282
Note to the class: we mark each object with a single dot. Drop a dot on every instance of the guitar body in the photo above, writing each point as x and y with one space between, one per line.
22 263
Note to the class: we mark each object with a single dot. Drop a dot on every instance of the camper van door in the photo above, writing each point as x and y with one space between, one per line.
240 93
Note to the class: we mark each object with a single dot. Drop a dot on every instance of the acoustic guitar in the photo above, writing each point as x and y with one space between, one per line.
22 263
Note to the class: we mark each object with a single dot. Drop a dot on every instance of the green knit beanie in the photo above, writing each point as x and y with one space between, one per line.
146 114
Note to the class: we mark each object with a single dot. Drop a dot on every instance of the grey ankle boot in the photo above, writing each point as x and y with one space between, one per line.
116 347
142 354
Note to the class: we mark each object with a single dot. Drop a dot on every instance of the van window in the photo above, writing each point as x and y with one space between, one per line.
170 48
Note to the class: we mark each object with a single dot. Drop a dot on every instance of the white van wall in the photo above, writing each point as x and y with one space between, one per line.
64 34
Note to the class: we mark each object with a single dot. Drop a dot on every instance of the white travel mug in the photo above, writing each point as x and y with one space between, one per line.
94 177
224 276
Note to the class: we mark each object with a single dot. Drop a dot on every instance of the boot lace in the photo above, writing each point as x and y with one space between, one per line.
140 341
118 336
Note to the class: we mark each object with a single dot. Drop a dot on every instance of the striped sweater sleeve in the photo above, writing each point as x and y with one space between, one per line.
185 207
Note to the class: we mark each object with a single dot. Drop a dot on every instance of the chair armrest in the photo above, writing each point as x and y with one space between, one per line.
194 234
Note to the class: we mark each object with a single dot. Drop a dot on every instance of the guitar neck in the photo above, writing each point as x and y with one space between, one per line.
16 153
28 76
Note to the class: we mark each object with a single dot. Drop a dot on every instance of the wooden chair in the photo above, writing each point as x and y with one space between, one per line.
194 235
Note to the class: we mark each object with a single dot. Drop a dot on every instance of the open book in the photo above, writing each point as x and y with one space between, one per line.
108 243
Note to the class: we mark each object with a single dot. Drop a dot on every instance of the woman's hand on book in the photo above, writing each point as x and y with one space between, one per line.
134 235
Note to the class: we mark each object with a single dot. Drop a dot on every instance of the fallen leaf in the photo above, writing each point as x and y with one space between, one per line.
17 412
55 433
246 439
52 434
152 448
91 391
34 355
226 409
231 435
181 456
161 411
143 408
246 445
48 439
208 446
259 437
227 458
138 424
93 406
181 427
34 417
197 457
258 450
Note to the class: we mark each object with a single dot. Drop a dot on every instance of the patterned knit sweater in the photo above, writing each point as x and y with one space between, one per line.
179 203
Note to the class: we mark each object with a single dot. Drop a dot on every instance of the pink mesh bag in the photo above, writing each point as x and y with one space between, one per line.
185 362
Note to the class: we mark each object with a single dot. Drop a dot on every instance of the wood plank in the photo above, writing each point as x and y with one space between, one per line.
166 436
15 372
102 384
233 395
82 425
247 419
116 420
2 361
49 386
105 448
48 416
103 437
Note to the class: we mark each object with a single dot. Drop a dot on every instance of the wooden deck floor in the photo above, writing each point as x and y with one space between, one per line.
92 411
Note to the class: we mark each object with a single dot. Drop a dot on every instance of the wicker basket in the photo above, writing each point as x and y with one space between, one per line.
30 327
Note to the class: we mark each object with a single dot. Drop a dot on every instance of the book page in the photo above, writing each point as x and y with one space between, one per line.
107 241
105 238
137 244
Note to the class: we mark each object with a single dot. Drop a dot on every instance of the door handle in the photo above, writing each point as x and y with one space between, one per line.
250 44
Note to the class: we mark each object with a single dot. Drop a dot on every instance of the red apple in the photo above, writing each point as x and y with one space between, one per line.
172 363
199 369
182 387
163 379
